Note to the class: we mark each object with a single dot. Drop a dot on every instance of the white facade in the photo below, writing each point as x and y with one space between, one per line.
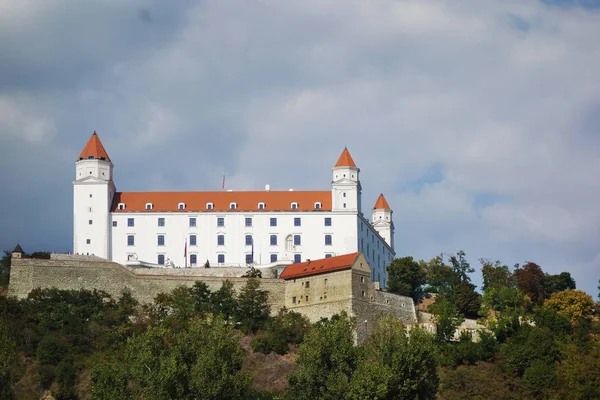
108 225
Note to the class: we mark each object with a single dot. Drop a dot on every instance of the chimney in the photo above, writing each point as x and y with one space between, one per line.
267 188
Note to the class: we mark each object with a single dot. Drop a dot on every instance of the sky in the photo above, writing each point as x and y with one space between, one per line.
478 119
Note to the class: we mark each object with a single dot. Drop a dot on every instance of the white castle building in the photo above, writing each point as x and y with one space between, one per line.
226 228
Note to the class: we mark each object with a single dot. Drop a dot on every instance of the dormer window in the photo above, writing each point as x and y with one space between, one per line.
294 206
148 206
121 206
209 206
232 206
317 205
181 206
261 206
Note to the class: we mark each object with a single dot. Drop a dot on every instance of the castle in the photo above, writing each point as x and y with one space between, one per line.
226 228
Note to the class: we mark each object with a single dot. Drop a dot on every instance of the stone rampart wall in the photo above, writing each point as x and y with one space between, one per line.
143 283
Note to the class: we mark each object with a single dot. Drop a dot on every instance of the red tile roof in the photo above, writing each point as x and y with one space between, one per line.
381 203
246 201
94 149
345 159
320 266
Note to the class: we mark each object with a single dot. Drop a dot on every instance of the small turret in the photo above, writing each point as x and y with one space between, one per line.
18 252
382 220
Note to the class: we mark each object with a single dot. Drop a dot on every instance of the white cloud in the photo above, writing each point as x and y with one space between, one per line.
20 119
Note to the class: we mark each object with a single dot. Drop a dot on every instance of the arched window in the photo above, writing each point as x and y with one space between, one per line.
289 243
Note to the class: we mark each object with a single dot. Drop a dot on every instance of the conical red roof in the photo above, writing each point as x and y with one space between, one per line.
345 159
94 149
381 203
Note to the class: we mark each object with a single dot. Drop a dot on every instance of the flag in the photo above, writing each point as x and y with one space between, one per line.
223 182
252 260
185 252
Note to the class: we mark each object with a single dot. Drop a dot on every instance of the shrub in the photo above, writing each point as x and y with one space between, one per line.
50 350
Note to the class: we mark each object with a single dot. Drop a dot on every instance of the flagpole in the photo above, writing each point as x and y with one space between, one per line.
185 252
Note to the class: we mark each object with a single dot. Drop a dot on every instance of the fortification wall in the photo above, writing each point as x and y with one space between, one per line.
143 283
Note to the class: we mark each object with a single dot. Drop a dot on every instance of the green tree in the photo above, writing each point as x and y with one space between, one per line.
5 268
466 299
326 360
288 327
558 283
396 366
461 267
405 277
253 273
223 301
446 317
8 359
440 278
201 297
578 372
109 382
495 275
253 307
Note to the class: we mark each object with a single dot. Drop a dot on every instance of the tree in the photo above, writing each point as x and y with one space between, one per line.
558 283
326 360
440 278
461 267
495 275
579 372
466 299
288 327
575 304
223 301
405 277
201 297
109 382
253 273
447 318
396 366
8 357
530 280
253 307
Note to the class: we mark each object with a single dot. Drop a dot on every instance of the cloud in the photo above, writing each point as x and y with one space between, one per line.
477 119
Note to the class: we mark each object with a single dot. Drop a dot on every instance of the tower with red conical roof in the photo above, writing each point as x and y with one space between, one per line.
93 192
382 220
345 187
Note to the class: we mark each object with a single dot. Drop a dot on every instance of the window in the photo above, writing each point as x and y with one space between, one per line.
221 258
362 279
248 221
181 206
192 222
317 205
362 293
161 240
273 240
297 258
161 222
192 240
297 240
148 206
193 259
121 206
130 222
248 240
209 206
130 240
90 222
90 209
261 206
306 298
114 223
328 255
220 240
273 257
288 243
273 222
232 206
294 300
294 206
297 221
307 284
88 241
344 205
90 195
327 240
220 221
328 221
362 244
161 259
248 258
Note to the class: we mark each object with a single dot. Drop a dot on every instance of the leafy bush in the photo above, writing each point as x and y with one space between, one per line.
50 350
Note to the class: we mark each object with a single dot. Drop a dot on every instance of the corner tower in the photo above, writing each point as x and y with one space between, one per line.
93 193
345 186
382 220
